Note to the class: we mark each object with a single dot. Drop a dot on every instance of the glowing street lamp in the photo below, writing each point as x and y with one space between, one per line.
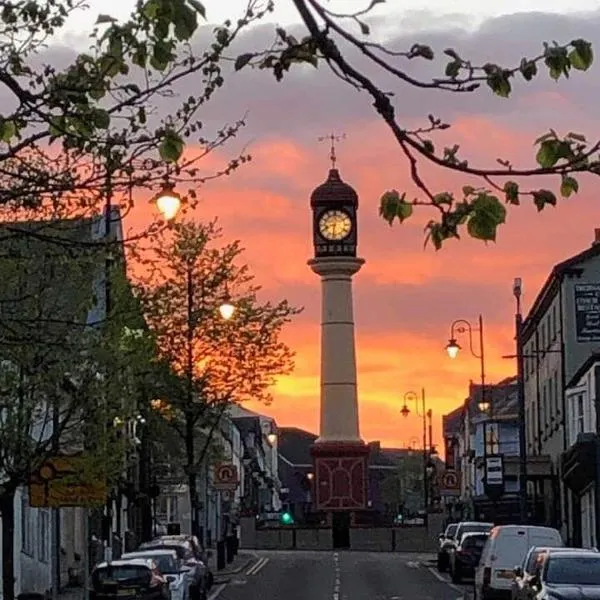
168 202
227 309
272 438
452 348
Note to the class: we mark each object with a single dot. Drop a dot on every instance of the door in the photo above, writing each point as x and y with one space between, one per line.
341 530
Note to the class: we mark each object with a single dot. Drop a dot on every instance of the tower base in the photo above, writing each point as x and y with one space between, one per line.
340 482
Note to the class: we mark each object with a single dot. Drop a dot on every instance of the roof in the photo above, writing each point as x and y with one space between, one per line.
550 287
334 191
149 552
502 395
139 562
293 444
452 421
586 366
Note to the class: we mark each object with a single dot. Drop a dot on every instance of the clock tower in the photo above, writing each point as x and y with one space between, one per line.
339 453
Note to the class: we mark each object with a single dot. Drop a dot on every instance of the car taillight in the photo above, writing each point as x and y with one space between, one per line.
487 576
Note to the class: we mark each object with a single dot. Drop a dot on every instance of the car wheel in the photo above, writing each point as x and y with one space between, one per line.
441 563
456 575
196 593
210 580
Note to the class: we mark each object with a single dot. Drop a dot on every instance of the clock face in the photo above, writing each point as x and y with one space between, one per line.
335 225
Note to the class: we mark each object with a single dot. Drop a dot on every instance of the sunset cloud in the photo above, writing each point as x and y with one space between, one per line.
406 296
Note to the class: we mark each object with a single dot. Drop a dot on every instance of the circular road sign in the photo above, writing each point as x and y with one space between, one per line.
449 480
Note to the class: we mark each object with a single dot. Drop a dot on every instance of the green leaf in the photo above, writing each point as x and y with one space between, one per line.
582 55
528 69
568 186
8 130
443 198
185 21
171 147
543 197
422 50
388 205
511 189
487 213
468 190
404 210
364 28
547 155
101 119
453 69
242 60
198 7
102 19
499 83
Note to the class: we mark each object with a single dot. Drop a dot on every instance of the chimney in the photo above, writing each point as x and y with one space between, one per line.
596 236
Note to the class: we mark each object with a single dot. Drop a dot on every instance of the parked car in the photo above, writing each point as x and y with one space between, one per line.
466 555
185 553
445 540
135 579
531 565
199 552
171 567
506 545
567 575
465 527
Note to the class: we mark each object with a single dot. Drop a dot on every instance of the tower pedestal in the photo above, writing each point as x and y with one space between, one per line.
340 482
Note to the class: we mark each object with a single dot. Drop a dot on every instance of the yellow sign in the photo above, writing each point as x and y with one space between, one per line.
61 482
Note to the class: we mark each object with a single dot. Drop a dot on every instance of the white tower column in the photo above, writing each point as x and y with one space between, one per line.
339 400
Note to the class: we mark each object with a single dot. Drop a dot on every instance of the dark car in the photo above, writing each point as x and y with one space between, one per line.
135 579
445 543
567 575
465 527
466 555
198 573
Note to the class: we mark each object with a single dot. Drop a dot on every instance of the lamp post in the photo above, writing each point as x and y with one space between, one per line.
517 290
462 326
405 411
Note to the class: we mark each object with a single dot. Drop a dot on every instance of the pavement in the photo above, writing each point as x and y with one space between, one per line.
298 575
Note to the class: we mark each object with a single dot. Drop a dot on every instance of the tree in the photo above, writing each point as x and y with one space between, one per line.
478 208
215 362
404 484
90 131
50 352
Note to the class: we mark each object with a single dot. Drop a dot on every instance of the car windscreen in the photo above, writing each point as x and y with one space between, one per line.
166 562
573 570
532 560
451 530
474 542
122 574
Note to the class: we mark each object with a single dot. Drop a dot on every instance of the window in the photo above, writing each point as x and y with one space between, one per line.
551 398
167 509
26 524
558 393
576 404
44 535
545 416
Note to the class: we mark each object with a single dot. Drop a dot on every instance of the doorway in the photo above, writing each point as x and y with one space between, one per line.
340 530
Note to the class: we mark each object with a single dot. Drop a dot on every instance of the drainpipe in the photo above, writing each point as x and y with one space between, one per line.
596 401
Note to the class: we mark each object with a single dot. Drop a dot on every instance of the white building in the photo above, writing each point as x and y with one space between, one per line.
559 334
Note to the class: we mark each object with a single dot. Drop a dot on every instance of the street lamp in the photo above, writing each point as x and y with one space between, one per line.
168 202
227 309
405 411
272 438
462 326
310 476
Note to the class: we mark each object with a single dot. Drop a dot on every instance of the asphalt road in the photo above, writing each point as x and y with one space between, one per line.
338 576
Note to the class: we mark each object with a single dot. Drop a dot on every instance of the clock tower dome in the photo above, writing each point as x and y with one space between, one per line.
339 453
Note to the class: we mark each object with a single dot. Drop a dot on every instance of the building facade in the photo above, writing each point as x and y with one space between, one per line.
558 337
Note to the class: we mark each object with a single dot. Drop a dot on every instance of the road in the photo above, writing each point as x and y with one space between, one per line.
338 576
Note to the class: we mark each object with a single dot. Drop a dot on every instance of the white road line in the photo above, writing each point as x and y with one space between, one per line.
261 566
336 576
254 568
215 594
441 578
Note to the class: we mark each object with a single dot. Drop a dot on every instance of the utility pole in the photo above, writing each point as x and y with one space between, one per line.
517 290
55 520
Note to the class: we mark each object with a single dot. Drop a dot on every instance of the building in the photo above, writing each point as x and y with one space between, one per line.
471 435
580 462
559 334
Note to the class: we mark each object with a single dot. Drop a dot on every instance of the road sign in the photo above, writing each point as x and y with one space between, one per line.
62 482
227 495
226 477
450 483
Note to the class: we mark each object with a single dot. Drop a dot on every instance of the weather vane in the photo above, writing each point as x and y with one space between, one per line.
332 139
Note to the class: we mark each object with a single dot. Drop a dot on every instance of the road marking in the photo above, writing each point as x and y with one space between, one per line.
261 566
336 576
256 566
412 564
441 578
216 592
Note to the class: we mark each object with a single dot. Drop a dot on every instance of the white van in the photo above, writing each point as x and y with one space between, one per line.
505 548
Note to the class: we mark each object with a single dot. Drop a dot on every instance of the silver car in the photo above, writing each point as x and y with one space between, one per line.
171 567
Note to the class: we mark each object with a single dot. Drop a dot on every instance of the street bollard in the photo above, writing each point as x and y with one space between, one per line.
221 555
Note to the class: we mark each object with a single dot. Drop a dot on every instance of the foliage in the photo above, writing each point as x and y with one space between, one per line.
478 209
407 479
89 131
53 399
215 362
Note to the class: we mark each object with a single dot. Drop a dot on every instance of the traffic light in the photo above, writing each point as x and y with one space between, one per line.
286 515
286 518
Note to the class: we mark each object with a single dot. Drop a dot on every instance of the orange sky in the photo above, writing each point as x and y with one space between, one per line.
405 296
